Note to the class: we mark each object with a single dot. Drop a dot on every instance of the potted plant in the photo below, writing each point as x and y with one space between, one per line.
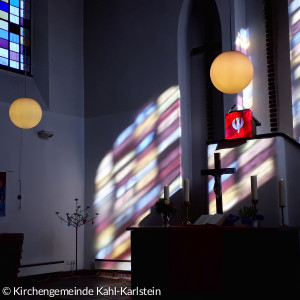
248 215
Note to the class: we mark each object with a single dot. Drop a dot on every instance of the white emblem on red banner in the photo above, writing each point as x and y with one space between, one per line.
238 123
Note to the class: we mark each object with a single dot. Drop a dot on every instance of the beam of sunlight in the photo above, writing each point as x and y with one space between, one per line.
131 176
256 157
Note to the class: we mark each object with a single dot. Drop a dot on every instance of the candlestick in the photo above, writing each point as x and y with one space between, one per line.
254 202
281 192
186 220
254 187
166 192
186 188
282 225
78 218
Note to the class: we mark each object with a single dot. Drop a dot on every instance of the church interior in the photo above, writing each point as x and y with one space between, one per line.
128 113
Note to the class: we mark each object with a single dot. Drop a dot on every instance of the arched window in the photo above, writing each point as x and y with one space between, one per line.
294 21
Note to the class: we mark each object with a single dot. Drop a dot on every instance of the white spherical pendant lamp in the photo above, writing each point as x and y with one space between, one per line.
25 113
231 72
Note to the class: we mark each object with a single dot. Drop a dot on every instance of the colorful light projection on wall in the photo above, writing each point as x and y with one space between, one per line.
15 34
242 44
130 178
256 157
294 28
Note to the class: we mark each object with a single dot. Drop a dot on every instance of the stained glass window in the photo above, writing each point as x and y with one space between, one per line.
15 37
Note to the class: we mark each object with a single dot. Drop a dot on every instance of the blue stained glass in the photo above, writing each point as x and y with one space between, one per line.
15 3
14 47
24 41
23 67
14 10
4 25
24 32
14 19
25 14
14 64
14 38
3 34
4 52
3 61
25 59
14 56
3 6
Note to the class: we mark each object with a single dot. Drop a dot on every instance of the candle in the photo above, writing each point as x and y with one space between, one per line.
254 187
281 192
166 192
186 188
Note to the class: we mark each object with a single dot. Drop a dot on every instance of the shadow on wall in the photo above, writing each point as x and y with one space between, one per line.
130 178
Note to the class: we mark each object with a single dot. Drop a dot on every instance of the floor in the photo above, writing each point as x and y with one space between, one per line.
94 286
91 285
83 286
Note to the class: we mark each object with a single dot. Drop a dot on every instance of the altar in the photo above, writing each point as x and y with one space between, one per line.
212 259
270 157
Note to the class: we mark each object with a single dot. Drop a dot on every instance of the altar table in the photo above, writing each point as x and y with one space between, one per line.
211 259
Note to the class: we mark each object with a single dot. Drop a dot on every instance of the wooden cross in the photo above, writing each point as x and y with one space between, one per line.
217 172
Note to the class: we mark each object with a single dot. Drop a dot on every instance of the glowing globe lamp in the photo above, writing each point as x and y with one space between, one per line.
231 72
25 113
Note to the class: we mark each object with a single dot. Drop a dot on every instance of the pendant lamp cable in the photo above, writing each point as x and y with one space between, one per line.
20 166
21 143
25 70
230 30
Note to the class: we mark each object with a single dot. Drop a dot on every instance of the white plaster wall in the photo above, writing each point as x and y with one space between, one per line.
292 162
52 171
52 176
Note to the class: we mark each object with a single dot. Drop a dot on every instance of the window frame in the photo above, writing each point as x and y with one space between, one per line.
8 67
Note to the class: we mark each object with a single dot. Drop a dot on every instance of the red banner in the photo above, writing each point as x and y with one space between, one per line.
238 124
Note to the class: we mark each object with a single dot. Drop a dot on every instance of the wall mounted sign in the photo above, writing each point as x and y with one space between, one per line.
239 124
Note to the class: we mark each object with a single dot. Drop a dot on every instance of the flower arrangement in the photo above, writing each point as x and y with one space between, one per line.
165 206
247 215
